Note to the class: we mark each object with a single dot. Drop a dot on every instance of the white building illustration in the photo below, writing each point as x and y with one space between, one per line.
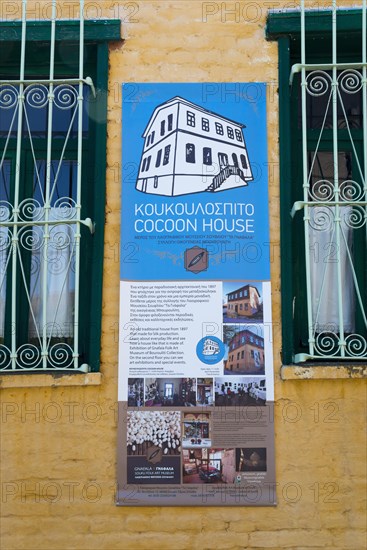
210 347
188 149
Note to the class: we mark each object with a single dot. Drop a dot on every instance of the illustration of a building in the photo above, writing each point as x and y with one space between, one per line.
246 353
243 302
210 347
188 149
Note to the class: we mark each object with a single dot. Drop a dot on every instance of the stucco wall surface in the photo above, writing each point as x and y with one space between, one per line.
58 443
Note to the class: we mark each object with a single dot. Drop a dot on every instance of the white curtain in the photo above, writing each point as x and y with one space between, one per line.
324 266
60 279
4 251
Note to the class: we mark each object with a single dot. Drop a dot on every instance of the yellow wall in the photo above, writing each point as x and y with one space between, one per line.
59 463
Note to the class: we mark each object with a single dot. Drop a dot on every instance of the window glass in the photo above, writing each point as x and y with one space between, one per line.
158 160
205 124
190 118
320 105
207 155
167 150
243 162
170 121
190 153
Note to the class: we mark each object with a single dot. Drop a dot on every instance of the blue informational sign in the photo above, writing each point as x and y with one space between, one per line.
195 177
195 387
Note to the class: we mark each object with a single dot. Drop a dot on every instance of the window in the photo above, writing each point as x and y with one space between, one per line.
243 162
205 124
170 121
230 133
50 206
190 118
168 390
167 150
190 152
238 135
158 159
207 155
152 137
219 128
163 126
323 123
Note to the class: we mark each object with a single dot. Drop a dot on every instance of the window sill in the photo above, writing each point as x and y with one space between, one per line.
323 372
49 380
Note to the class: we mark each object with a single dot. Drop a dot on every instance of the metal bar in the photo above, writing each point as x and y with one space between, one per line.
364 98
337 219
88 81
47 204
306 185
17 189
302 357
300 204
87 222
297 67
79 183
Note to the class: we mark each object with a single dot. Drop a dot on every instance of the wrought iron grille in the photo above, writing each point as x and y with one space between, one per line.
334 202
40 213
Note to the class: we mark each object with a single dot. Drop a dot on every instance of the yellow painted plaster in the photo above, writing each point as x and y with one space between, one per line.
58 443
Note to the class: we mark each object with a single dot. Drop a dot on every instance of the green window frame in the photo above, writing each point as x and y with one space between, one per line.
286 29
97 35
